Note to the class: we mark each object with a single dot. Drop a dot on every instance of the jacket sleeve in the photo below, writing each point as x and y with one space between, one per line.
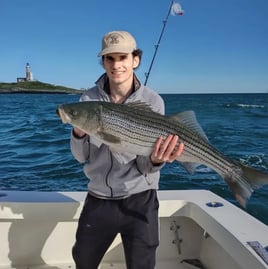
145 165
80 148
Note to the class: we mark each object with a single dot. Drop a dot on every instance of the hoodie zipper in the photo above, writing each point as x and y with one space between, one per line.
107 176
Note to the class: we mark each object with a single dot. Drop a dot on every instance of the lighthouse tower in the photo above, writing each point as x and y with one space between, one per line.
29 75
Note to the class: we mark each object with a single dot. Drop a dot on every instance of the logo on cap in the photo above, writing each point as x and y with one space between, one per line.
113 39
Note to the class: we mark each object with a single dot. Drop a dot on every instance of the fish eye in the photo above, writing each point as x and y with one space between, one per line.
73 113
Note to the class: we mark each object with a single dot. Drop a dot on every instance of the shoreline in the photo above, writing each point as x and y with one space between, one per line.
38 91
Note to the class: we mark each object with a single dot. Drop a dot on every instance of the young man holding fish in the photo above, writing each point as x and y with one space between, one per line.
122 195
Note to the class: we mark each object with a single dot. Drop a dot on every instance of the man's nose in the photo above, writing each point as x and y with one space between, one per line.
116 64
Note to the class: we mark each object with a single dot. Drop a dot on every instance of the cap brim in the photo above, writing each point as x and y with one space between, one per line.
116 49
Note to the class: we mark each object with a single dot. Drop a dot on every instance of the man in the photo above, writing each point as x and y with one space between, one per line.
122 197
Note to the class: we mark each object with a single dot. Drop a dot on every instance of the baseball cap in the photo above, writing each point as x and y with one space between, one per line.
116 42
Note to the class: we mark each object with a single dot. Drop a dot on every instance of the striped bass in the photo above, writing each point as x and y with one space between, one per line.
134 128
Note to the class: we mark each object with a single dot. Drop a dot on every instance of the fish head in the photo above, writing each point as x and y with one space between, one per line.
82 115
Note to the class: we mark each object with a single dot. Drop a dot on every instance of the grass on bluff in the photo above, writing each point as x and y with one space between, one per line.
34 87
31 85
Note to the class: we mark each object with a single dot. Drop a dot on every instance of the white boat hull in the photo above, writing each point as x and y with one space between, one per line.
37 230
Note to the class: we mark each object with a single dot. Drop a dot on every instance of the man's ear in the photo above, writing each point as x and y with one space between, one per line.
136 62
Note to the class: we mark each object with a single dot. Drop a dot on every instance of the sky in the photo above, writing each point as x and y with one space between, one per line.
215 47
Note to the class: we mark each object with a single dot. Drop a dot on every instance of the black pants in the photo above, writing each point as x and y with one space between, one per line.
135 218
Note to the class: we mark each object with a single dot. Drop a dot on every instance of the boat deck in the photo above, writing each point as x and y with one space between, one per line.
115 265
38 229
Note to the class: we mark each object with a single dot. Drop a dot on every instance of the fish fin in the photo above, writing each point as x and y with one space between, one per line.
109 138
249 180
188 118
189 167
139 105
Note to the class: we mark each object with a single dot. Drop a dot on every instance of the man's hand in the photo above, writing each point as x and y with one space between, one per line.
166 150
78 133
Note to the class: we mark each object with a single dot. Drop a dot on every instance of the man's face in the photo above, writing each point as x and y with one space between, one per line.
119 67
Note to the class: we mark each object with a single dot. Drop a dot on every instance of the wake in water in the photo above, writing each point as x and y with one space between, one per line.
255 161
233 105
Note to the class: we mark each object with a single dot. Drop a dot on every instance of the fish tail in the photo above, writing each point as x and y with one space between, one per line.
245 182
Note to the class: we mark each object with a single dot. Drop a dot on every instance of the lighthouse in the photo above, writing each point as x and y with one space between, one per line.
29 75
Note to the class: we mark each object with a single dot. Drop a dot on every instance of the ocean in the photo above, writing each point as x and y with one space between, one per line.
35 151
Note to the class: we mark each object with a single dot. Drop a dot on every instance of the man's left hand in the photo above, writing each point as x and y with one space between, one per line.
167 150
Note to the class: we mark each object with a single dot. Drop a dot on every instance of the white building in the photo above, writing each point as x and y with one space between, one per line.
29 74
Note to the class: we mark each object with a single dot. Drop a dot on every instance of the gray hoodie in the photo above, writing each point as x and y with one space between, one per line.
110 178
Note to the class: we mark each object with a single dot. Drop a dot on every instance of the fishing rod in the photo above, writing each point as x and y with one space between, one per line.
147 74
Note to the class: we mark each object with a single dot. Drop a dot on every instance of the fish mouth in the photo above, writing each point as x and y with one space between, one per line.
64 117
